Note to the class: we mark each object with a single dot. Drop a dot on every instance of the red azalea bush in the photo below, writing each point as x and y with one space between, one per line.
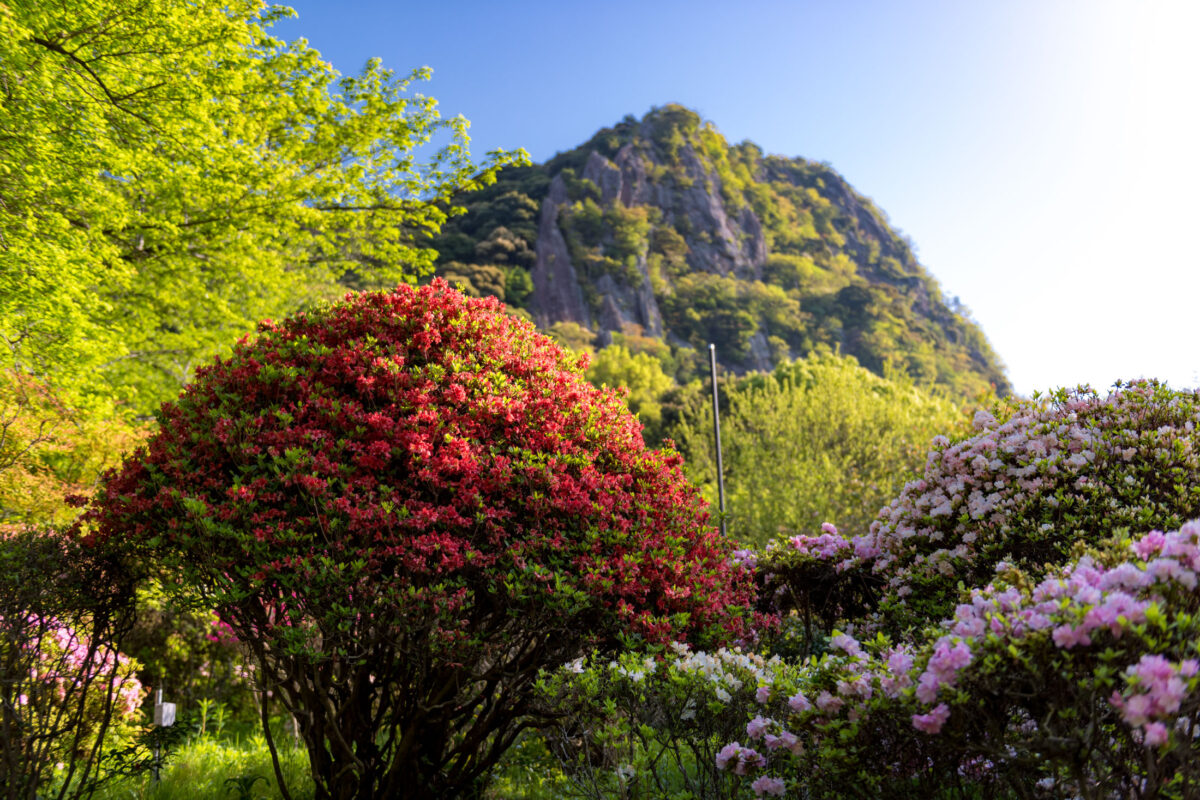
405 505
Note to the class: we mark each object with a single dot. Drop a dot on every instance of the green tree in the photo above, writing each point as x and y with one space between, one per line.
641 374
818 440
169 173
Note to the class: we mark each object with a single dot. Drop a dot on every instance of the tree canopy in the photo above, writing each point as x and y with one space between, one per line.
818 440
171 173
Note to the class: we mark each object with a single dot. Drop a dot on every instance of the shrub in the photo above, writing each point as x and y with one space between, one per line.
49 451
652 725
1073 467
63 683
405 505
1086 684
1035 481
820 439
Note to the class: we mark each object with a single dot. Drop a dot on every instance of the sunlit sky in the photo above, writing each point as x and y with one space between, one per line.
1043 155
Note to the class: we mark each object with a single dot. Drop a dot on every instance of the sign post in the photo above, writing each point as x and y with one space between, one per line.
164 717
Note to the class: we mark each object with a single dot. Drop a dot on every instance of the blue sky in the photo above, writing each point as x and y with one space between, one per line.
1041 154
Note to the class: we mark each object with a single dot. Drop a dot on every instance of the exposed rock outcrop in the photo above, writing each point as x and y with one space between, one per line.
557 294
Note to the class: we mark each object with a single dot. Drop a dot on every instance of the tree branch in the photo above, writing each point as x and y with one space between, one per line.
112 98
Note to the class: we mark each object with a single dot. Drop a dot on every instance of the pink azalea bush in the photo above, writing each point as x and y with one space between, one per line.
813 582
1065 661
1034 480
1075 466
67 695
1083 683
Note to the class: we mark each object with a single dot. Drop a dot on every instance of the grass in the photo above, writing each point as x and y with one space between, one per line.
211 768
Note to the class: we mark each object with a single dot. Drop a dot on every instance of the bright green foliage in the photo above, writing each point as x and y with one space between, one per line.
211 768
819 440
572 336
608 241
48 451
724 310
640 373
171 173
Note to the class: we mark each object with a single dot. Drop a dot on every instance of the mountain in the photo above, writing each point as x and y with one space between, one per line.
660 236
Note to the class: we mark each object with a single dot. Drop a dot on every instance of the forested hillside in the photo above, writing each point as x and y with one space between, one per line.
660 236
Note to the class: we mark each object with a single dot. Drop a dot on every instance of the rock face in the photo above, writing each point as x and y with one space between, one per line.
659 229
721 243
557 296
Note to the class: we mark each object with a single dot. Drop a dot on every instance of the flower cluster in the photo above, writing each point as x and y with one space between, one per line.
61 659
664 712
740 760
1157 689
828 546
422 434
1022 491
997 620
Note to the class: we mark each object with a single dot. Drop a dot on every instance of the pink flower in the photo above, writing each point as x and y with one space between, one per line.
786 739
933 721
742 759
756 727
828 703
763 695
900 663
771 786
1067 637
1156 734
847 644
728 753
1149 544
928 686
1137 709
798 703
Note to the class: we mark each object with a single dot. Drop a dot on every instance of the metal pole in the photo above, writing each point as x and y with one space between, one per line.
712 363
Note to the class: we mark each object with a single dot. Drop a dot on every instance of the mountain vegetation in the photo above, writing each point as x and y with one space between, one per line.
659 236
